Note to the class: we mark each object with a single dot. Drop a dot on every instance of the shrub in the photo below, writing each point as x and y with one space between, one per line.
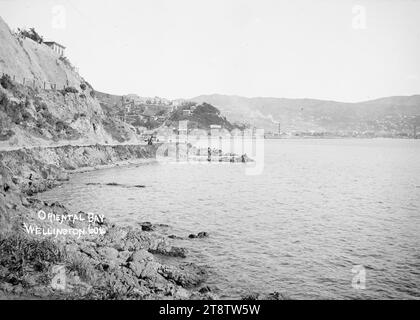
17 253
6 82
6 134
82 267
92 94
60 126
31 34
67 63
83 86
40 106
70 90
88 85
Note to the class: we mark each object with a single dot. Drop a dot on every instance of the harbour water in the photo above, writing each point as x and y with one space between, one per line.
319 208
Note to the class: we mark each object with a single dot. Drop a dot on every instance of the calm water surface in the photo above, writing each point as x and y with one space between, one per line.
319 208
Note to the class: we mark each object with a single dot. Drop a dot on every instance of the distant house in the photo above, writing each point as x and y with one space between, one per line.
56 47
141 130
186 112
215 126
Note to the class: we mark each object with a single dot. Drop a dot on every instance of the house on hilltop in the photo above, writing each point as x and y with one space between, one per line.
56 47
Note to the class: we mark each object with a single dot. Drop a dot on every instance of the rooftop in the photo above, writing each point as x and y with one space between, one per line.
53 42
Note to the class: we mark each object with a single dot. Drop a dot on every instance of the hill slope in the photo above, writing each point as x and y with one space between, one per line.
392 114
24 58
199 116
32 114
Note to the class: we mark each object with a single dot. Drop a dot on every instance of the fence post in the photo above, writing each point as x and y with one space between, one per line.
24 81
14 78
34 83
44 85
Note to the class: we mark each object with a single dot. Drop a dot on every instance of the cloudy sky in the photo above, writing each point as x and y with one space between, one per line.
326 49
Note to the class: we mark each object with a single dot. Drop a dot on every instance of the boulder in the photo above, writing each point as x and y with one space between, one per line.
110 255
172 236
124 256
141 255
205 289
187 275
147 226
200 235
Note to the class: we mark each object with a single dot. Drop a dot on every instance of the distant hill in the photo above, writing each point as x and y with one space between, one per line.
387 115
152 113
199 116
141 112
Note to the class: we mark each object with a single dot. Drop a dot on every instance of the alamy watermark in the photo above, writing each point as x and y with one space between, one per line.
59 17
59 280
216 146
359 17
359 279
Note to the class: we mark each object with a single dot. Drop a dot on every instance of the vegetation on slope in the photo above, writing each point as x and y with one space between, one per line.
201 116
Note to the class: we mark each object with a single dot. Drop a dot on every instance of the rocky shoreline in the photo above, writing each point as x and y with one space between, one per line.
38 238
49 252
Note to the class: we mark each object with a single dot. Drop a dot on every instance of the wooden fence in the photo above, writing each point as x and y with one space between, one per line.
35 83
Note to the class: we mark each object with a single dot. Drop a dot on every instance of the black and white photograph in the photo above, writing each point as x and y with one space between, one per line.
177 151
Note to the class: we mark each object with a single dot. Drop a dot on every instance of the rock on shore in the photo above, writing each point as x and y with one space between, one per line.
118 263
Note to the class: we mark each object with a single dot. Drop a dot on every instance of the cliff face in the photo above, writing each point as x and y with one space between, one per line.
34 113
38 169
24 58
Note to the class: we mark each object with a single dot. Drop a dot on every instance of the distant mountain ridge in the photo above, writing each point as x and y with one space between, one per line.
395 114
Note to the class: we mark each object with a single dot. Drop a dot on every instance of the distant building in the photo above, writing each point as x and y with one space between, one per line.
56 47
186 112
141 130
215 126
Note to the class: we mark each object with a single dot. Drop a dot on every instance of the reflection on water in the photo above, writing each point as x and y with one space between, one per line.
319 208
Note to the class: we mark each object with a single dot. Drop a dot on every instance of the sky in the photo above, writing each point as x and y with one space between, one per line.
327 49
